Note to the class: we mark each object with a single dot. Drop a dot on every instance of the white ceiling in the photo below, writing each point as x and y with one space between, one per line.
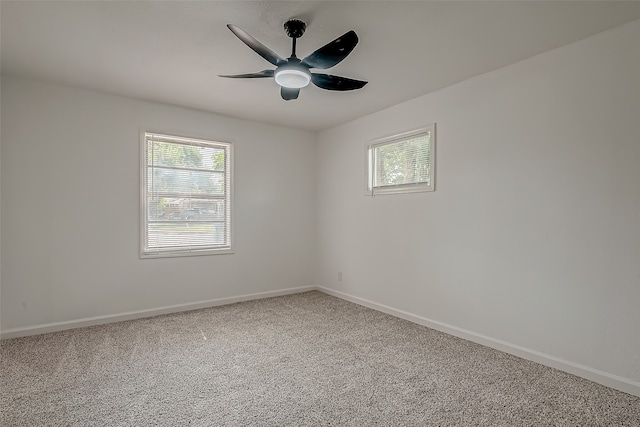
172 52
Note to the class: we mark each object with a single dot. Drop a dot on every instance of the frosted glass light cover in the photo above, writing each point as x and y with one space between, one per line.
292 78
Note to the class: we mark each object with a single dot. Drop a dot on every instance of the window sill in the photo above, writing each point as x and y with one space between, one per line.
177 254
382 191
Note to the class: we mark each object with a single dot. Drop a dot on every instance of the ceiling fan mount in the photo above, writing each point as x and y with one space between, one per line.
292 73
295 28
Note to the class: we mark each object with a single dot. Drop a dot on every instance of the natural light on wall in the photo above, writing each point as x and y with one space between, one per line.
401 163
186 196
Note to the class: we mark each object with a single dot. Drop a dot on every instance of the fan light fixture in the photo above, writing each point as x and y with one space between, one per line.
292 78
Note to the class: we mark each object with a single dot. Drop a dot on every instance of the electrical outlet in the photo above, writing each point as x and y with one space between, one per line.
339 276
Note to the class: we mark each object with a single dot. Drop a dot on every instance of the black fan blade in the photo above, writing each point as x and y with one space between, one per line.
263 73
329 82
289 93
258 47
332 53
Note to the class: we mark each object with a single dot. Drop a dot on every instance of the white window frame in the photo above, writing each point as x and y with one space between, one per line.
370 147
146 252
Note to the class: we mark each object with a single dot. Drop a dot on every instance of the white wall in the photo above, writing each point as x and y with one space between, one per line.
532 236
70 207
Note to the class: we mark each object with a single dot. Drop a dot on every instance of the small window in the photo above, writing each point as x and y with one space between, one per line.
186 196
401 163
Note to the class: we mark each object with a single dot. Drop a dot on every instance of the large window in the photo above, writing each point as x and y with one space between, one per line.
401 163
186 196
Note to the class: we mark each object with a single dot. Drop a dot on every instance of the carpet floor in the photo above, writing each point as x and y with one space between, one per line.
299 360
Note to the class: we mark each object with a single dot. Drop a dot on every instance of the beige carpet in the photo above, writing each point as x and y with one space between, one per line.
305 359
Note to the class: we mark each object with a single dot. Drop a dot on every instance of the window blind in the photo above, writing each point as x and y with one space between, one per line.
186 195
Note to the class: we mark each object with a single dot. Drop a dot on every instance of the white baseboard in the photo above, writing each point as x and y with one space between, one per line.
131 315
619 383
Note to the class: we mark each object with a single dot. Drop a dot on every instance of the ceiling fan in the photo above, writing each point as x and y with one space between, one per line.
292 74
